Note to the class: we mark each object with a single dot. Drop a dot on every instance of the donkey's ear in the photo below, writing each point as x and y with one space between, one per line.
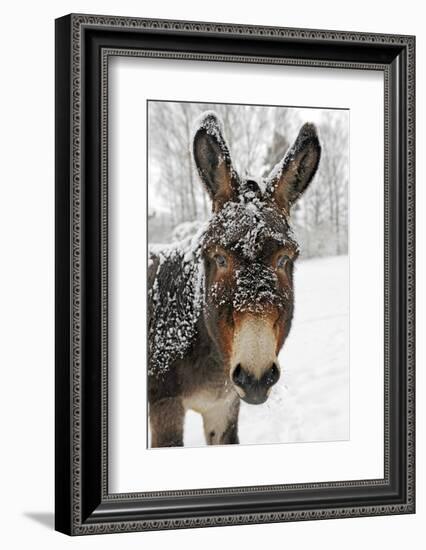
213 161
289 179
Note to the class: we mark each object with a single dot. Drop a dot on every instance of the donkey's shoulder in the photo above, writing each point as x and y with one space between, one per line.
174 302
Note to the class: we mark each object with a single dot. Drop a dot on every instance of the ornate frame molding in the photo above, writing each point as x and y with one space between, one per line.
72 47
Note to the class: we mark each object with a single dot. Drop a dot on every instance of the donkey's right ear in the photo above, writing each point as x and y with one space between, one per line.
213 161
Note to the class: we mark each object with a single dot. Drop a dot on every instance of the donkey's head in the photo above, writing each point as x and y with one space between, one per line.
248 253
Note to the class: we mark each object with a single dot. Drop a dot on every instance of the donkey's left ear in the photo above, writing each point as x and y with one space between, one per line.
213 161
290 178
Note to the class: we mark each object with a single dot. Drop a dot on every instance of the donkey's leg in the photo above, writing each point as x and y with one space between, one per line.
166 418
221 423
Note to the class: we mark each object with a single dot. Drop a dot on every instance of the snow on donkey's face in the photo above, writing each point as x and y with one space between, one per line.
248 261
248 252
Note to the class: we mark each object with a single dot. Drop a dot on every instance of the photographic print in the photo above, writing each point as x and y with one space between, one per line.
248 274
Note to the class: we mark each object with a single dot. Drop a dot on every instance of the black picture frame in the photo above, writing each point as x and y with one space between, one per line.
83 504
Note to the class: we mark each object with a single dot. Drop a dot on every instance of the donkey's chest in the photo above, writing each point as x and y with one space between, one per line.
206 399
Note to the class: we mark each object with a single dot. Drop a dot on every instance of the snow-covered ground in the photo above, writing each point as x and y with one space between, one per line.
311 400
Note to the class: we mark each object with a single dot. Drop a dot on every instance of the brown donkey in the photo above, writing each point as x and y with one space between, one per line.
220 305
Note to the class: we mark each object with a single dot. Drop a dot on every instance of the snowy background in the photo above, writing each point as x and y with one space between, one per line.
311 400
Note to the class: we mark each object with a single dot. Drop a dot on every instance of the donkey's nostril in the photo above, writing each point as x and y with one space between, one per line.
238 376
272 376
256 389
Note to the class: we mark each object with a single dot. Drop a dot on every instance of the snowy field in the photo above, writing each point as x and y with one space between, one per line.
311 400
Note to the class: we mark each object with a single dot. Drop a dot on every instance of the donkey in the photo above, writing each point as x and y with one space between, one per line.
220 305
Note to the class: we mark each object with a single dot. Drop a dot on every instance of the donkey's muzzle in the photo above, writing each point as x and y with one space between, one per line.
255 390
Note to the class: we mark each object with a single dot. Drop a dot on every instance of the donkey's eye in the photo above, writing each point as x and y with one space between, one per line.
282 261
220 260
